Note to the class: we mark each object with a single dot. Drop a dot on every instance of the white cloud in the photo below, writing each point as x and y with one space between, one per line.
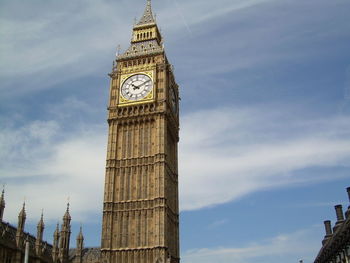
45 163
46 171
240 151
281 248
199 11
66 40
235 152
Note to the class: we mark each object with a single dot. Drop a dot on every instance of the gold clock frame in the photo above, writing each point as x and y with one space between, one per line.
149 98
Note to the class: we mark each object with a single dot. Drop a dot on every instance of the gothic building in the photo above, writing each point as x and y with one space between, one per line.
13 241
336 243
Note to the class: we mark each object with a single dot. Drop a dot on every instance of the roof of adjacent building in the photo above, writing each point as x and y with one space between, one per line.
336 242
8 238
90 255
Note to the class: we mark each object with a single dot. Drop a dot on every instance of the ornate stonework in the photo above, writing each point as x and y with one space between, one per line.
14 240
140 213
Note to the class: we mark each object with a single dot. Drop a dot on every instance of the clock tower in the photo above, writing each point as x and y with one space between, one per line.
141 210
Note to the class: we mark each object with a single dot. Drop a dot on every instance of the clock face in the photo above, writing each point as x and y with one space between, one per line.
136 87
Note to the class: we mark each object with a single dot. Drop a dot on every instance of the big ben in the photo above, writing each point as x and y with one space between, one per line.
141 211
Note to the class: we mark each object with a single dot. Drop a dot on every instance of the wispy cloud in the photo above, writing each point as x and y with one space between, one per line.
45 163
67 40
59 44
282 248
243 150
239 151
218 223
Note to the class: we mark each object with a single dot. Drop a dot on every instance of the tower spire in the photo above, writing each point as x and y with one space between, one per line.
147 17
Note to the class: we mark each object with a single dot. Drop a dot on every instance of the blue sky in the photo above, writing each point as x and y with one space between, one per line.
265 117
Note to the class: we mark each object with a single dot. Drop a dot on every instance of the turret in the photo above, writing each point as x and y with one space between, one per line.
55 248
20 227
340 217
39 236
65 237
2 205
80 247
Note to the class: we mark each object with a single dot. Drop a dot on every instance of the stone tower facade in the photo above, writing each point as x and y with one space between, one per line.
141 213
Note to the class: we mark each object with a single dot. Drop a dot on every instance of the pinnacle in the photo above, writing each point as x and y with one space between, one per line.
67 215
23 211
2 198
80 235
41 222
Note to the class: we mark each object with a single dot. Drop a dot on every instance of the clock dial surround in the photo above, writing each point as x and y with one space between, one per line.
136 87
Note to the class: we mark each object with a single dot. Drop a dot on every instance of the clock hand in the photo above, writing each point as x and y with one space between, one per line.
143 84
135 87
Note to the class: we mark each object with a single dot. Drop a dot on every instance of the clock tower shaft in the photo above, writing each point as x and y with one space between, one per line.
141 212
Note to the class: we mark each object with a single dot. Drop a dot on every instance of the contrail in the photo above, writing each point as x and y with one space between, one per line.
183 18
